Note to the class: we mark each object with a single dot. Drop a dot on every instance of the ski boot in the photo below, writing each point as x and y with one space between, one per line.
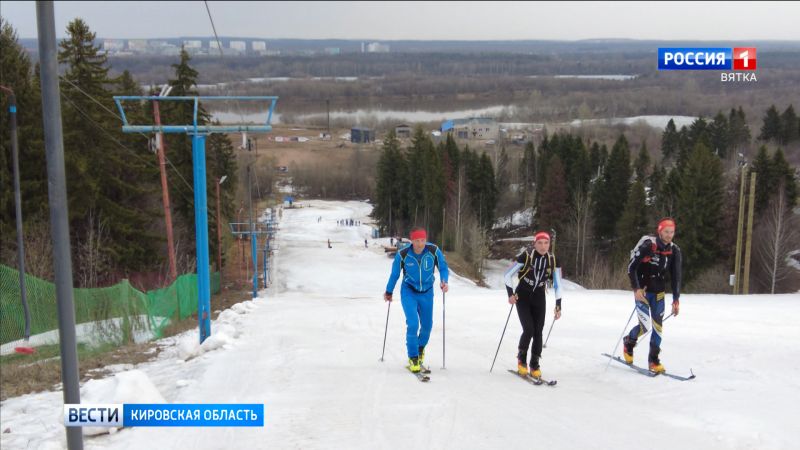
522 368
627 349
535 371
655 365
421 355
413 364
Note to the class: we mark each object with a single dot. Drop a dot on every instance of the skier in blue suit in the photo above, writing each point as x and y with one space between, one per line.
417 262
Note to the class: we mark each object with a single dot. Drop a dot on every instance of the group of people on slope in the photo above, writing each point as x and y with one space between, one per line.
652 260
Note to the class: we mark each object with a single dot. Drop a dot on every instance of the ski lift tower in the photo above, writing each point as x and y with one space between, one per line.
257 229
199 133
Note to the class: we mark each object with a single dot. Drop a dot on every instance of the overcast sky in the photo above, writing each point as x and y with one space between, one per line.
733 21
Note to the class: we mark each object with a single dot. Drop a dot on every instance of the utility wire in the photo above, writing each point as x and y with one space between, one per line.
114 139
90 97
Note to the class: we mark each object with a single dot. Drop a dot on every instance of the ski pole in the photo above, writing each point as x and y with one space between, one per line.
501 338
443 328
548 333
621 335
386 329
645 334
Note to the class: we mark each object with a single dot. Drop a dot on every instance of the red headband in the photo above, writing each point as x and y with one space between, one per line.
418 234
665 223
541 235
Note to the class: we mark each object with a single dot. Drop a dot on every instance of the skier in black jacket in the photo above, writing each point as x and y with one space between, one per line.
534 269
652 259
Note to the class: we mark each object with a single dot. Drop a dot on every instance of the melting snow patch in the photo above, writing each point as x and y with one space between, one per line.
132 386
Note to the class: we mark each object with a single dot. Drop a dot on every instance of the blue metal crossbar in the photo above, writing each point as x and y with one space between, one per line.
199 133
194 128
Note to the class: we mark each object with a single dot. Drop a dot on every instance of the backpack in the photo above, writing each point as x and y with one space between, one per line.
653 248
431 248
527 266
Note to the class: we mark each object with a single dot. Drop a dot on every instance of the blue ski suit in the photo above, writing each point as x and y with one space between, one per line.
416 293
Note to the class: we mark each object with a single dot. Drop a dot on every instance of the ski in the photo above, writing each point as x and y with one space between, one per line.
420 376
425 370
648 372
534 381
546 382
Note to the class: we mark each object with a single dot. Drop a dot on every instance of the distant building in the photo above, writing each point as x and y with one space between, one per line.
259 47
213 46
361 135
238 46
192 44
377 47
137 45
332 51
472 128
363 47
402 131
113 45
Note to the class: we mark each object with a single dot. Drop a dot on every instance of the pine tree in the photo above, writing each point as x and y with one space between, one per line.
772 129
553 211
632 224
642 164
699 211
611 192
669 141
789 130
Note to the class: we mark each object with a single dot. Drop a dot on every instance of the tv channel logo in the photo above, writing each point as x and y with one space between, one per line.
707 58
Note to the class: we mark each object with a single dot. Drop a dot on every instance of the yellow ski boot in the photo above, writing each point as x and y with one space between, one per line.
657 367
627 349
522 368
413 365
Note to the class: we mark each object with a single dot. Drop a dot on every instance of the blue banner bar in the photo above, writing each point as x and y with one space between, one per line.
193 415
691 58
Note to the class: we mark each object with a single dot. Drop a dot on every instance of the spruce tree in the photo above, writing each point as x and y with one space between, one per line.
179 145
782 174
527 173
642 163
739 131
612 190
390 186
765 183
632 224
669 141
789 129
719 134
17 73
553 208
108 184
699 211
772 128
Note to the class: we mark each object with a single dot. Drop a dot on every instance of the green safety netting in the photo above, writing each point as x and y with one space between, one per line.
115 313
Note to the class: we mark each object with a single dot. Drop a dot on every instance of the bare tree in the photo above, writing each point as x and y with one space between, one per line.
92 263
776 240
579 225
